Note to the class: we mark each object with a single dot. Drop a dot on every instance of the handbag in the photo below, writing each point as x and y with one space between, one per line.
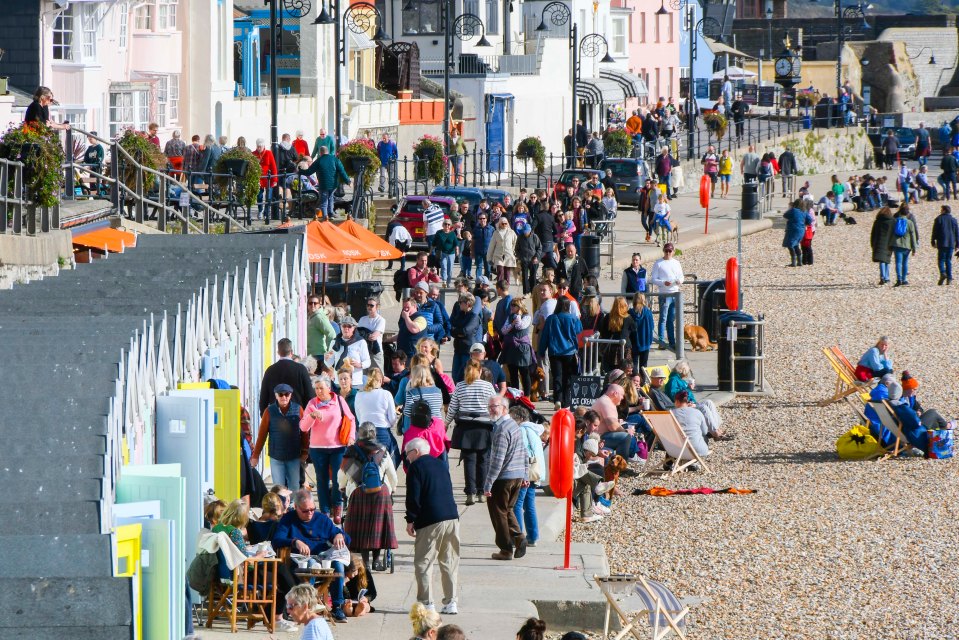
585 333
346 426
535 471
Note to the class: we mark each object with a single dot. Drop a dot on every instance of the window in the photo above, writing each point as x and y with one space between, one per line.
619 37
492 16
90 20
163 99
166 14
144 18
63 35
670 34
471 6
128 109
124 27
174 97
642 27
424 17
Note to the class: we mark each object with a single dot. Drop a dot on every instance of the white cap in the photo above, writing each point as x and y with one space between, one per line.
478 347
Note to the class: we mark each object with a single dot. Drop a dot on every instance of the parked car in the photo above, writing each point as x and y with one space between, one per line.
472 195
630 175
409 213
566 178
907 142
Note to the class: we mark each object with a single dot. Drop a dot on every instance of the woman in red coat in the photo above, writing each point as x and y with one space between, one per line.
267 168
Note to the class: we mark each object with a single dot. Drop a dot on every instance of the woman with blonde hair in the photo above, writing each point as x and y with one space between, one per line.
472 434
420 386
374 404
517 345
232 522
345 379
617 325
301 606
428 348
425 621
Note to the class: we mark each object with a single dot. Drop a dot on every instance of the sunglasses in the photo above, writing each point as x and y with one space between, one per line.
371 306
283 394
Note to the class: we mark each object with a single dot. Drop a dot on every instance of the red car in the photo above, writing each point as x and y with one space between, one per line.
566 178
410 214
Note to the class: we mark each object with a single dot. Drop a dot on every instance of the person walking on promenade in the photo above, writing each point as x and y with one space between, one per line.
508 473
788 169
947 178
559 337
286 371
749 165
945 238
330 173
797 219
268 180
879 238
667 275
280 422
710 162
903 242
386 151
502 250
890 150
725 173
323 421
664 167
433 521
323 141
319 331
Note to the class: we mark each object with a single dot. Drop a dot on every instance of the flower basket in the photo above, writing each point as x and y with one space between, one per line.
532 148
248 182
617 143
716 123
359 157
145 153
38 147
429 159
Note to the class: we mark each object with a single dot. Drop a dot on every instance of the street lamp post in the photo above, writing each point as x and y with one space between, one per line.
855 11
296 9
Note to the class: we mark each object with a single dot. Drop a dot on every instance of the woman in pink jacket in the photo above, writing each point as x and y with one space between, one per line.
322 419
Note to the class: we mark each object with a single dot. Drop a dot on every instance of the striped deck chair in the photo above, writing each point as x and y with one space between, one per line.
670 435
888 419
661 608
846 383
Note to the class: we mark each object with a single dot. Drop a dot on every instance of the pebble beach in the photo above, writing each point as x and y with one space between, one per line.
825 548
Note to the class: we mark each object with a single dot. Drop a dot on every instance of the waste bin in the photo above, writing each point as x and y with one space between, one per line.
750 201
712 299
822 114
745 345
807 121
354 294
589 248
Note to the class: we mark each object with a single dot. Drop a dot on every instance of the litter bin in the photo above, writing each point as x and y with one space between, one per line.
745 345
712 299
807 121
749 207
589 248
822 113
354 295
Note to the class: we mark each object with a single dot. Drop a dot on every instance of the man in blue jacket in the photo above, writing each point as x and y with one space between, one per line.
330 173
482 234
386 150
559 338
945 238
466 330
308 531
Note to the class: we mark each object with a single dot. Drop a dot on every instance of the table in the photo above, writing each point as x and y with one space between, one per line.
322 578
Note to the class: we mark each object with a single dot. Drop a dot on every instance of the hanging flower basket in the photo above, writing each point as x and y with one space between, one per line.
716 123
249 182
428 152
532 148
38 147
617 143
145 153
359 156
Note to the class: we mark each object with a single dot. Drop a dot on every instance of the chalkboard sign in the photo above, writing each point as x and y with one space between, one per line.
767 96
715 89
702 89
585 390
750 93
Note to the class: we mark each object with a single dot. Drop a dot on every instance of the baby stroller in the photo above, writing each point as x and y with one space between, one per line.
516 398
597 215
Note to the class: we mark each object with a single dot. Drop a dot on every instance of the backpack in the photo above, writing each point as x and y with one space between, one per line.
420 414
202 571
401 279
372 481
902 227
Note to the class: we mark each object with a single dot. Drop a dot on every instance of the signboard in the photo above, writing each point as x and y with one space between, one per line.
683 88
715 88
585 390
788 98
750 93
767 97
702 89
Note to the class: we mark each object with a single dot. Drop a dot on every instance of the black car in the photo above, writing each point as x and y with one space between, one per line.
630 175
907 142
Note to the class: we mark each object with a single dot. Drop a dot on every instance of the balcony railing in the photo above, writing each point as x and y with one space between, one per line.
470 64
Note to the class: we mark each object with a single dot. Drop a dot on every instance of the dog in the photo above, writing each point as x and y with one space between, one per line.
850 220
536 381
674 234
698 338
611 473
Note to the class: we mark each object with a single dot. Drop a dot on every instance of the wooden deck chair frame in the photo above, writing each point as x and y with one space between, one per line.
631 622
254 585
660 420
846 383
888 419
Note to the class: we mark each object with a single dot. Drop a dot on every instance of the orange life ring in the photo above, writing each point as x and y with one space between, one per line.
705 184
732 284
561 437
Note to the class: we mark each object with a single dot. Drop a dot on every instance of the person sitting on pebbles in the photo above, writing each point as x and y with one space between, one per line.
875 363
681 379
878 393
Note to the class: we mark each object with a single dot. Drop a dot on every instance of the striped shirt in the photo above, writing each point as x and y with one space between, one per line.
433 217
470 399
431 395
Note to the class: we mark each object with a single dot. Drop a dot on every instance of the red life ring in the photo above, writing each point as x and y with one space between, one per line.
561 437
705 184
732 284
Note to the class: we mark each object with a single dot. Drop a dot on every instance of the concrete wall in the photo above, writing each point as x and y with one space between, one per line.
26 258
919 44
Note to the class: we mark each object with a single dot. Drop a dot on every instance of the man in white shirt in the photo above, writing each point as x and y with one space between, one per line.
667 276
376 325
432 221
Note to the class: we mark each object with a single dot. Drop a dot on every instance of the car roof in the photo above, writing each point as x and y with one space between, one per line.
632 160
432 198
458 190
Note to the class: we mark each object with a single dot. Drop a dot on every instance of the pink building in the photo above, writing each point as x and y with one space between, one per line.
652 42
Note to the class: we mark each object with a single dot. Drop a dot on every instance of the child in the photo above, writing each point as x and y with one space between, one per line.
567 231
609 201
805 245
358 590
466 255
661 220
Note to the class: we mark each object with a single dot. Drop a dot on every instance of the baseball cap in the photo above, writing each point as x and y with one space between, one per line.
348 321
669 247
478 347
482 280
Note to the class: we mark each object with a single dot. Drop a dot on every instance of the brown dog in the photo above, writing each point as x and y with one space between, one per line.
674 234
536 380
611 473
698 338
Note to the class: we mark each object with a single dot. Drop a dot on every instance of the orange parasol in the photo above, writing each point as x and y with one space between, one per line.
370 240
326 243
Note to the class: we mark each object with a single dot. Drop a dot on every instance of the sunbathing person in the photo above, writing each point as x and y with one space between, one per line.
879 392
692 423
912 428
875 363
929 418
657 393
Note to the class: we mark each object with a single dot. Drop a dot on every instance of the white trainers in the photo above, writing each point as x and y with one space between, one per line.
603 487
636 459
591 518
601 510
287 625
430 606
449 609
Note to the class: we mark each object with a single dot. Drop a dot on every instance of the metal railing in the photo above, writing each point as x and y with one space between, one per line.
475 65
759 381
18 212
591 360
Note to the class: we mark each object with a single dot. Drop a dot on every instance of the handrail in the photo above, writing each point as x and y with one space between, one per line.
11 203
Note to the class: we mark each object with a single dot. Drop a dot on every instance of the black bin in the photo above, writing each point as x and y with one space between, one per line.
745 345
354 295
589 248
822 113
712 299
749 208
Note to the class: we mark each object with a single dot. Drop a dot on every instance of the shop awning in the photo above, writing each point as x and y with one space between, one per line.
325 242
632 85
371 241
599 91
107 239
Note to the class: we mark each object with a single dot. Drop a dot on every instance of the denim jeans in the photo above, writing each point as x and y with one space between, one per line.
459 366
884 271
902 264
466 265
525 511
336 587
667 319
482 268
326 464
326 203
446 266
945 261
286 473
619 441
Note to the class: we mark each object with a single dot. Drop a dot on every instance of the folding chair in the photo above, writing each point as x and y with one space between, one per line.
846 383
663 610
888 419
248 592
670 435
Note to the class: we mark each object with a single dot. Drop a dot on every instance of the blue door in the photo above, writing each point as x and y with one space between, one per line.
496 131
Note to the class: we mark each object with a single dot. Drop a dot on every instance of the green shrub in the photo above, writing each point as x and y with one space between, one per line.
145 153
617 143
532 148
360 149
250 182
426 146
43 158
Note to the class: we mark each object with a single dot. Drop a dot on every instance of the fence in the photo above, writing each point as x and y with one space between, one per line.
18 212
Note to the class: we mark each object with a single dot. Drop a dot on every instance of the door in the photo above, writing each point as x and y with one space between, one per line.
495 132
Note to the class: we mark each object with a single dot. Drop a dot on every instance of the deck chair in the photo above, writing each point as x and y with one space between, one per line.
670 435
660 607
846 383
248 592
888 419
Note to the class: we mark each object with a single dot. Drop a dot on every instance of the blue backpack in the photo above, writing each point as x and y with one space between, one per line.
902 227
372 481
